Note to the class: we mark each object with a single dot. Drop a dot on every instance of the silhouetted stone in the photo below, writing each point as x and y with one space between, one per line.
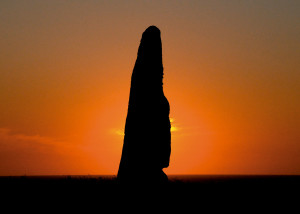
147 140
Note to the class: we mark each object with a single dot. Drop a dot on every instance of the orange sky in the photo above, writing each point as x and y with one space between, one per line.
232 77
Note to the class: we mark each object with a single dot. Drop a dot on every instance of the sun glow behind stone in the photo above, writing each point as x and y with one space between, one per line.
174 129
119 132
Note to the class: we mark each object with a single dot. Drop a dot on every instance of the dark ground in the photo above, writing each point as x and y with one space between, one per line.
198 190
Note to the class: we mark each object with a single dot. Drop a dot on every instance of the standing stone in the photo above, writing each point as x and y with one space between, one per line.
147 141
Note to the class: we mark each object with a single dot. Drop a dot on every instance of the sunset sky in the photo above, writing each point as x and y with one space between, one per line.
232 77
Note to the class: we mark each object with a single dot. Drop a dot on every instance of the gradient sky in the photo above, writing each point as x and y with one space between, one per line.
232 77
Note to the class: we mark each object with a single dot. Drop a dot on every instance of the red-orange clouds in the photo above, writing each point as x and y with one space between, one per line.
34 155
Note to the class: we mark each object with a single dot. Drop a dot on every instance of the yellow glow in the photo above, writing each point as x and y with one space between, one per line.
174 129
118 132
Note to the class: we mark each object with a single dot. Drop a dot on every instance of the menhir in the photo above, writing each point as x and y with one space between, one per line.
147 141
